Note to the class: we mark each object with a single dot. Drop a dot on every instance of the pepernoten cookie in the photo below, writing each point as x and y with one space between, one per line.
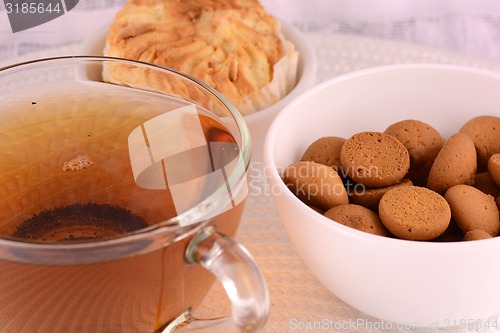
423 143
357 217
484 131
370 197
315 184
385 173
374 159
494 168
325 150
476 235
473 209
455 164
414 213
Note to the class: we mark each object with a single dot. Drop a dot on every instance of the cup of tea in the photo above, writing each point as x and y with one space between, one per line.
119 198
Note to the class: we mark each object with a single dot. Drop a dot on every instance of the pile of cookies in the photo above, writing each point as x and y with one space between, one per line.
407 182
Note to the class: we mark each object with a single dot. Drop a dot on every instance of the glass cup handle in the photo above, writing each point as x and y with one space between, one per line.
243 282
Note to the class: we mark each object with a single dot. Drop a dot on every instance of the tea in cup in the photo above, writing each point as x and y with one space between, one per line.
118 200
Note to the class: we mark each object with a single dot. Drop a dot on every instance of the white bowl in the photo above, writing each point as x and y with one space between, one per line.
258 122
419 283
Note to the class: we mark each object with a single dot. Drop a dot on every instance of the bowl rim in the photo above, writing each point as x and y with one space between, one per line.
376 240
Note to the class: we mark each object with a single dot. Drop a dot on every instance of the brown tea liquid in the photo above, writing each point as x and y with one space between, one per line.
65 176
57 154
66 168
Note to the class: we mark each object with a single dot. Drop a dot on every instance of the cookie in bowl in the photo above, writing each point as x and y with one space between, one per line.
392 279
235 47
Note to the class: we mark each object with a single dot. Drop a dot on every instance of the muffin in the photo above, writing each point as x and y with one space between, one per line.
235 47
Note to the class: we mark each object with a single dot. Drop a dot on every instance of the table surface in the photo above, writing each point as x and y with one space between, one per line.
297 297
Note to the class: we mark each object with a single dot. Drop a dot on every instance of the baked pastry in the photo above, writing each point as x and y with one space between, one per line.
374 159
357 217
325 150
455 164
494 168
473 209
458 203
234 46
476 235
423 143
414 213
315 184
484 131
370 197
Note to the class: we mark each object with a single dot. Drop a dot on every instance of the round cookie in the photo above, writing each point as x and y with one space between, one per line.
455 164
374 159
414 213
497 200
370 197
423 143
325 150
473 209
494 168
357 217
484 131
476 235
315 184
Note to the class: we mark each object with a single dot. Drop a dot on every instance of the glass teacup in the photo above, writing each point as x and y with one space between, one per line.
122 184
